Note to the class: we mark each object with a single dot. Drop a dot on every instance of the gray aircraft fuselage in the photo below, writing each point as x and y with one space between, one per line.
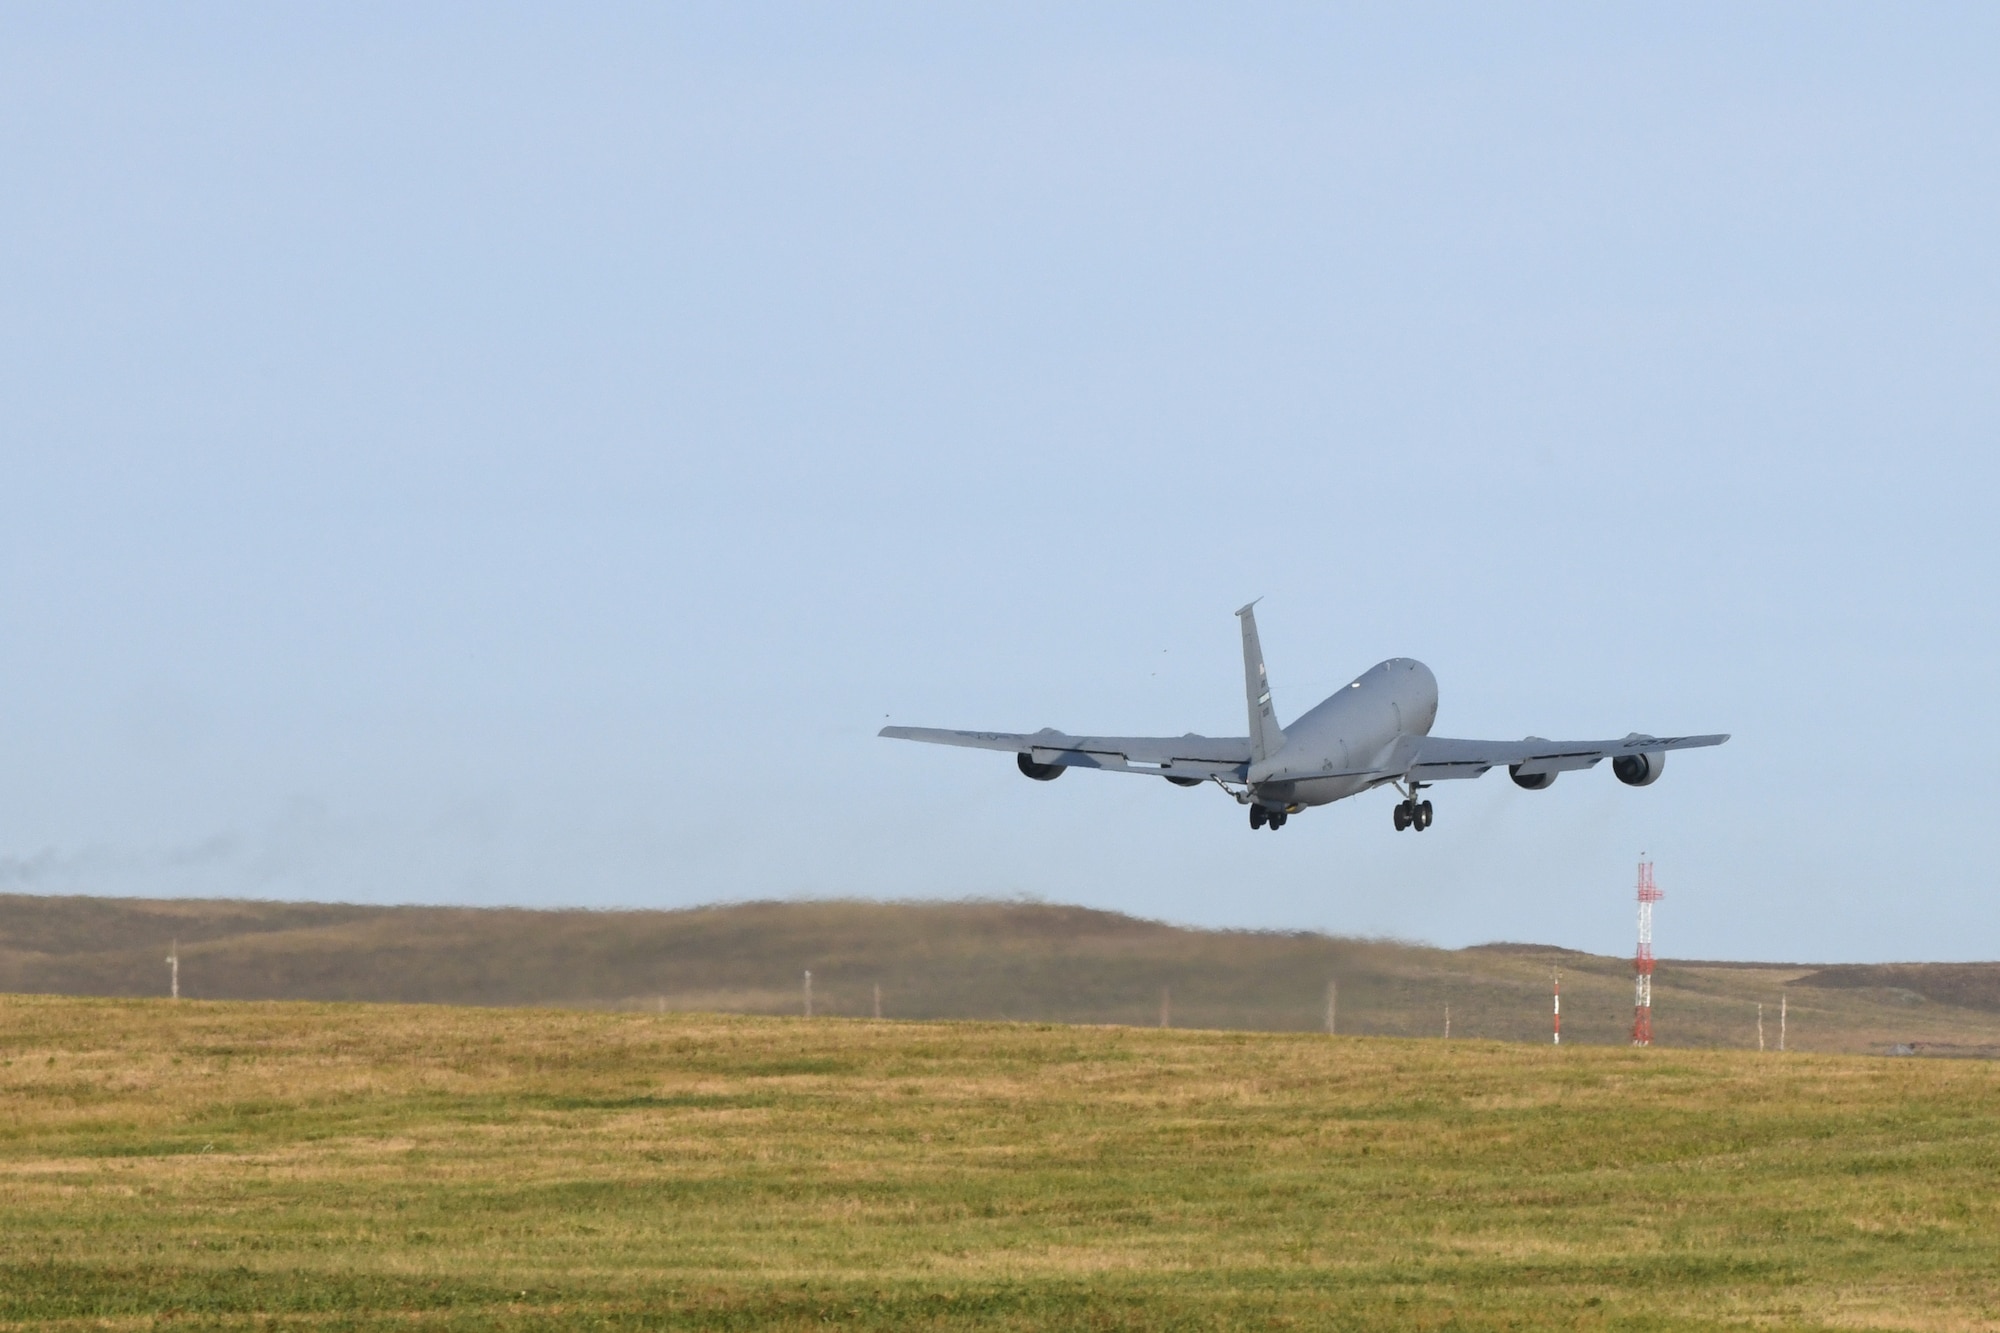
1351 730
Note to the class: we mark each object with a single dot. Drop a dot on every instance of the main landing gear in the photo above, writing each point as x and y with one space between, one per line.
1262 818
1413 813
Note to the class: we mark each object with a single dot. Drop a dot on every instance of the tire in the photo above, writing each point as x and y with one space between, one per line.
1256 816
1402 816
1424 812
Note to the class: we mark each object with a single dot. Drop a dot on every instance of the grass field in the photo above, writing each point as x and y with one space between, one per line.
271 1165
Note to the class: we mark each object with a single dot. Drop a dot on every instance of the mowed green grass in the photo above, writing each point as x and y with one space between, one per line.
270 1165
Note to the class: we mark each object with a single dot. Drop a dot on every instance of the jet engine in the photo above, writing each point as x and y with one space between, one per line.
1639 770
1039 772
1182 782
1531 781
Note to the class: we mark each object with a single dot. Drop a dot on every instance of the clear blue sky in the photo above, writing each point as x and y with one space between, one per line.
522 454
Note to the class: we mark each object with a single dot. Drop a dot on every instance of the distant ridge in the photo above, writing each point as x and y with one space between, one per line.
1023 961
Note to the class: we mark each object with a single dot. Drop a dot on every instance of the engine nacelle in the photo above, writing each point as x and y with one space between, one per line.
1039 772
1182 782
1639 770
1530 781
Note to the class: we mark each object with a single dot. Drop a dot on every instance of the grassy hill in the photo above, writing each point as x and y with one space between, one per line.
313 1166
978 960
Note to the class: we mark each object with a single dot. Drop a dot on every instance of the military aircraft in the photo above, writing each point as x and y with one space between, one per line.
1374 732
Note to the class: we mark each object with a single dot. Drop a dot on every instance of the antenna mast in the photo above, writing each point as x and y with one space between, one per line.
1642 962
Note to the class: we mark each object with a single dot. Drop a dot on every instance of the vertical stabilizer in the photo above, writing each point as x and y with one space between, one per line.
1265 737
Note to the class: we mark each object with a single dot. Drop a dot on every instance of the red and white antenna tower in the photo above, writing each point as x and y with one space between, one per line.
1556 979
1642 963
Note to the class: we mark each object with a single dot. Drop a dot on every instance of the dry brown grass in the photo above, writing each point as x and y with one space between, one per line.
325 1166
1016 961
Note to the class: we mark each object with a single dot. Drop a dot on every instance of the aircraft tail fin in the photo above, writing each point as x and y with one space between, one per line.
1266 738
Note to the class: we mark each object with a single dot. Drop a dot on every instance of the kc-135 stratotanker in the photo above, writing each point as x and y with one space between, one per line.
1374 732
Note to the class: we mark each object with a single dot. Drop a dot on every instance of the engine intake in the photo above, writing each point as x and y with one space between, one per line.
1639 770
1039 772
1529 781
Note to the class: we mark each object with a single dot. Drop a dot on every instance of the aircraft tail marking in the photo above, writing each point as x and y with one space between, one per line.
1266 738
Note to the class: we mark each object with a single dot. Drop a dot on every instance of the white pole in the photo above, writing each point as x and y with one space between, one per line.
878 999
1332 1006
174 970
1783 1000
1447 1022
809 994
1760 1027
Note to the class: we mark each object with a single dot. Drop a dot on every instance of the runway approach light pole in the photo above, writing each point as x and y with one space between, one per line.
1642 962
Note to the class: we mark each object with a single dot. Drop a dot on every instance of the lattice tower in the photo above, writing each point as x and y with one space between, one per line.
1642 962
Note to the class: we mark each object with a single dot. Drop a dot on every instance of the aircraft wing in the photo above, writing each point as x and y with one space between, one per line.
1188 756
1442 757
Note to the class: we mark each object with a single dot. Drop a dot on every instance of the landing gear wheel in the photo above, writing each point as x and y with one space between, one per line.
1402 816
1257 816
1424 815
1276 820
